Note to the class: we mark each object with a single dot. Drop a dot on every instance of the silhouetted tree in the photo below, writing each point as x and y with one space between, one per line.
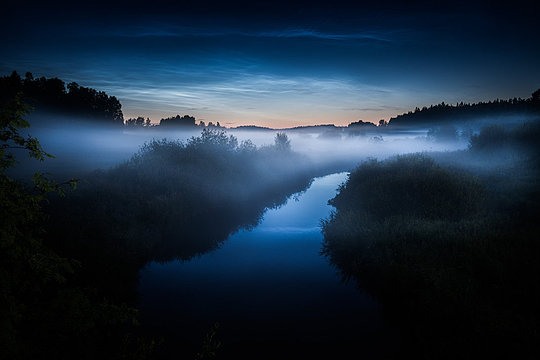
10 88
49 94
535 98
46 311
361 124
21 250
139 121
94 104
282 142
214 140
181 121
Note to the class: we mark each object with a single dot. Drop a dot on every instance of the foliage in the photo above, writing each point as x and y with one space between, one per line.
362 124
51 94
139 121
211 344
461 111
282 142
410 185
182 121
453 259
498 138
44 312
11 120
158 204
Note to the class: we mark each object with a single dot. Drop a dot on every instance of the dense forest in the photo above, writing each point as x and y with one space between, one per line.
448 242
447 113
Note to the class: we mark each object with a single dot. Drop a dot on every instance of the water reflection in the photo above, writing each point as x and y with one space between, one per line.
269 289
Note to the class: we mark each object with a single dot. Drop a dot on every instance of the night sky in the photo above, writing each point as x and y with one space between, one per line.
277 64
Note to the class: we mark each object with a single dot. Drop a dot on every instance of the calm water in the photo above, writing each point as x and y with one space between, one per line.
270 291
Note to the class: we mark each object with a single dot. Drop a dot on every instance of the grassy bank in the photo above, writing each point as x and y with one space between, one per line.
453 254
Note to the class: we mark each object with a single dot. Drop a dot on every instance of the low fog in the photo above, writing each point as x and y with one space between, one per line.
79 147
156 194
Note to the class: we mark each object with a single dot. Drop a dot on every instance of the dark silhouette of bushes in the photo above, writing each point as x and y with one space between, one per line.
496 138
170 200
361 127
411 185
453 259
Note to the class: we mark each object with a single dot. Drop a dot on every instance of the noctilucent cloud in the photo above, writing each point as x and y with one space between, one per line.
277 64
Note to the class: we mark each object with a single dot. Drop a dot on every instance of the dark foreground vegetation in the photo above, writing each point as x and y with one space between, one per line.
70 259
451 252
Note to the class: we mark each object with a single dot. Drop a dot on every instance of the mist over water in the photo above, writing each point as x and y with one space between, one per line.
79 146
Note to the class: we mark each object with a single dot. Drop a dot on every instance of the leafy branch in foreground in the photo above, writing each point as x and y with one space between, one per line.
11 121
44 312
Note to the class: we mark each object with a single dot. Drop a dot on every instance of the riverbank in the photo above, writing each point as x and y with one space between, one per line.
452 253
269 289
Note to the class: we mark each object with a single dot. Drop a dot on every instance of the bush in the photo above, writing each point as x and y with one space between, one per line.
410 185
458 278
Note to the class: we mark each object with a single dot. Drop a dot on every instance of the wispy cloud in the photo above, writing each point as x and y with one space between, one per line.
262 97
309 33
169 31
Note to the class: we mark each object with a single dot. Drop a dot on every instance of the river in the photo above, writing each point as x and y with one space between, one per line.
269 290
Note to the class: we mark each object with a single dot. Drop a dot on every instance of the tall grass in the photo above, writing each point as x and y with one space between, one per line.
452 262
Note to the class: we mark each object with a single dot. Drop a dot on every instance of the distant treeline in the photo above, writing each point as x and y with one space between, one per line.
465 111
52 95
186 122
426 116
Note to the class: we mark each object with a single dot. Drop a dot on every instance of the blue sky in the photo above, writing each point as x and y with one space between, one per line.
276 64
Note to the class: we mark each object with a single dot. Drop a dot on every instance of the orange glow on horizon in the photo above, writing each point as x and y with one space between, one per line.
274 122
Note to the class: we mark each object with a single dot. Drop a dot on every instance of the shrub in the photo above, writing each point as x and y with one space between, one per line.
410 185
460 280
